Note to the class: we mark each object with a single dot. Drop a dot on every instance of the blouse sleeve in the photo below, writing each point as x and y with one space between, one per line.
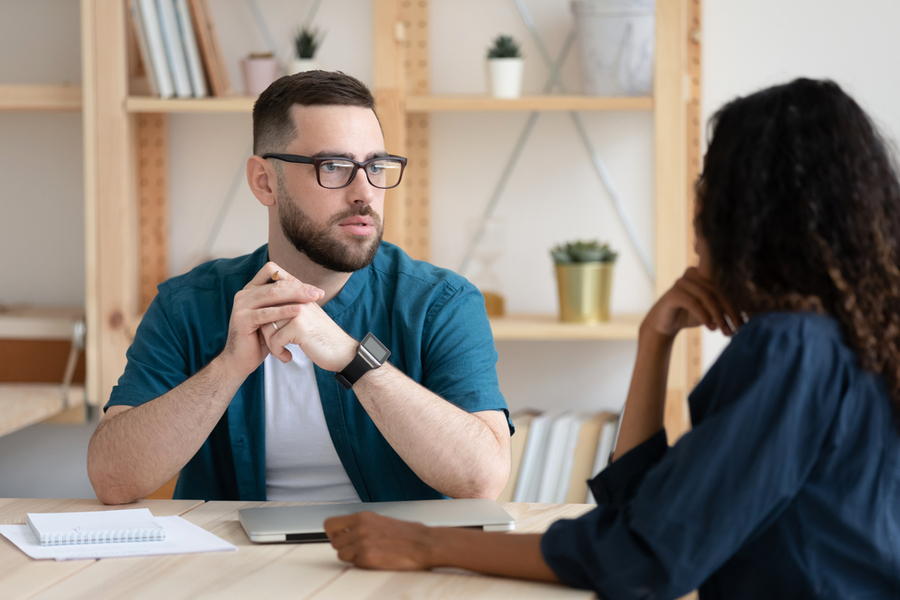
616 484
767 406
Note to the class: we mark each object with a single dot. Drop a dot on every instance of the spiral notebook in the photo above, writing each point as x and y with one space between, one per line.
98 527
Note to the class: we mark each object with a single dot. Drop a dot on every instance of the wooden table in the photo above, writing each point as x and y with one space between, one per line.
309 571
22 576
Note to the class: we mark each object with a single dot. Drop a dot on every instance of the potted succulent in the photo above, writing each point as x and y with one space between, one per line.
584 279
306 42
505 65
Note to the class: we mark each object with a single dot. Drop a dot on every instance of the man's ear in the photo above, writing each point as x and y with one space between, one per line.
262 179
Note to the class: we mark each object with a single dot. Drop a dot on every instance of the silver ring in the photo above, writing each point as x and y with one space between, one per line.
275 326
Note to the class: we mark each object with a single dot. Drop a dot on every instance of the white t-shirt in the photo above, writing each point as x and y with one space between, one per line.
301 461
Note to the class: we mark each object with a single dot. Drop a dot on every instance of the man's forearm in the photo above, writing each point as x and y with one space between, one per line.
135 452
455 452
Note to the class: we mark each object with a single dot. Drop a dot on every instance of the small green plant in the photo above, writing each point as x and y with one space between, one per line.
582 252
504 46
307 40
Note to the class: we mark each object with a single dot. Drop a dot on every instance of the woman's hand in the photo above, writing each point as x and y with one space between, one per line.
372 541
693 300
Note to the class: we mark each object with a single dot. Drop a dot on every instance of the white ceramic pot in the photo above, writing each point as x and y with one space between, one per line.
259 73
298 65
505 77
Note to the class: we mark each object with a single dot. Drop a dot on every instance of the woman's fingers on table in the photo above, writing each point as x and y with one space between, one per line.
372 541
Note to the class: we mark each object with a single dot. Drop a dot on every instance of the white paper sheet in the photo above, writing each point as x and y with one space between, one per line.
182 537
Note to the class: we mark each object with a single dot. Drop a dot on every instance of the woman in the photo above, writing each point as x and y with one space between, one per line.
788 485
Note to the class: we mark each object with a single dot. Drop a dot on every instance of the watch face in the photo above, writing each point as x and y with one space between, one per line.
378 350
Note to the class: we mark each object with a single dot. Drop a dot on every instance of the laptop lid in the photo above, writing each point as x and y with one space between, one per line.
306 523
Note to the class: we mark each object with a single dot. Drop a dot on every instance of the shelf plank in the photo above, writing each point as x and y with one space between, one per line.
549 327
40 97
426 104
27 322
532 327
228 104
414 104
24 404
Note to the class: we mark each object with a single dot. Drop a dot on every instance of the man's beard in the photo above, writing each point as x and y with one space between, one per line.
320 247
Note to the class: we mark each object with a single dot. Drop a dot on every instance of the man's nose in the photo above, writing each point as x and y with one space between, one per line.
362 191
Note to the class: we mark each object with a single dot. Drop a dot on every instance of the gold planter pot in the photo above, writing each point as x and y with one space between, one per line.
584 291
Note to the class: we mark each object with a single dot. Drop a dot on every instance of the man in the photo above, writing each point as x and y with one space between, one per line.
239 371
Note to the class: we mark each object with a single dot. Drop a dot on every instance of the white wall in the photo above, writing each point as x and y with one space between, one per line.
554 194
751 44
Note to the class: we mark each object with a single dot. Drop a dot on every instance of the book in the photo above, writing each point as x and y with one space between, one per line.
174 50
557 441
533 458
99 527
140 33
565 469
157 51
584 455
522 422
604 448
210 51
191 49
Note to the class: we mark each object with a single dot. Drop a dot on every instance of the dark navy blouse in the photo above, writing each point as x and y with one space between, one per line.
788 485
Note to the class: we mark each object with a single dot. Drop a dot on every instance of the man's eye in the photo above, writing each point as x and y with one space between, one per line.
333 166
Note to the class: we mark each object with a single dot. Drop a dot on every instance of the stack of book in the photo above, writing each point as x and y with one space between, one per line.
554 454
179 48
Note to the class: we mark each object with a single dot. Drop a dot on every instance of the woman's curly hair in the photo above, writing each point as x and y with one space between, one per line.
799 204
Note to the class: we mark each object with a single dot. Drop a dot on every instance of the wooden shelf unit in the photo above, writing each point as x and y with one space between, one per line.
231 104
24 404
414 104
427 104
549 328
116 137
402 91
39 98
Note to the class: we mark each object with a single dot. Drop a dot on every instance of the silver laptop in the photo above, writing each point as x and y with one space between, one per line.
305 523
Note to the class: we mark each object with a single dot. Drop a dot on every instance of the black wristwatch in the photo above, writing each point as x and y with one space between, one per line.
370 354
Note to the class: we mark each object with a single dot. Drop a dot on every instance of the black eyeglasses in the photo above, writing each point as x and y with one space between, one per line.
333 173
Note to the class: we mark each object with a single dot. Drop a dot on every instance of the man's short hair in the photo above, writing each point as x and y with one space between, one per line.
273 125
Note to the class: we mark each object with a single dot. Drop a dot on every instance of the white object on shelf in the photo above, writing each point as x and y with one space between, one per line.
617 42
505 77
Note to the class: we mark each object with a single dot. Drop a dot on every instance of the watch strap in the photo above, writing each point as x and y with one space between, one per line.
362 363
356 369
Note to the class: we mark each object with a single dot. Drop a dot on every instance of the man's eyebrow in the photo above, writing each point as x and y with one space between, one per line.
348 155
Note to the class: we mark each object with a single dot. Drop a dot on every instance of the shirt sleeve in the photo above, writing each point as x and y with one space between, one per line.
616 484
459 358
772 400
157 361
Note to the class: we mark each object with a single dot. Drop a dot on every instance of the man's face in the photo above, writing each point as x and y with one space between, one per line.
337 229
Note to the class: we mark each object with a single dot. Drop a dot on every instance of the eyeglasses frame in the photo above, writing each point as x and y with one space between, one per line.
307 160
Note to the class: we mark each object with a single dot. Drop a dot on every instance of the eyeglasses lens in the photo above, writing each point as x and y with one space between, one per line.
382 173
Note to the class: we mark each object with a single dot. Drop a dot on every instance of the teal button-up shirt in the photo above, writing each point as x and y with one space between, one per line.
432 320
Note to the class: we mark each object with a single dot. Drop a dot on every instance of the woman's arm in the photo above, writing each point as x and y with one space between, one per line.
692 301
372 541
